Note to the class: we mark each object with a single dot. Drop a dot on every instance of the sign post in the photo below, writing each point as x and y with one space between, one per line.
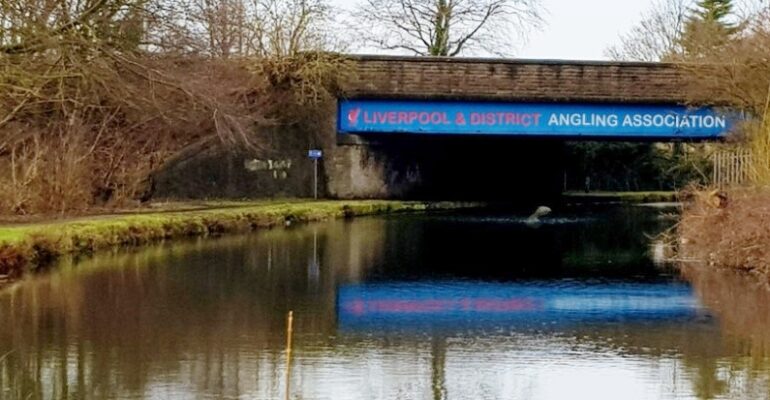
315 155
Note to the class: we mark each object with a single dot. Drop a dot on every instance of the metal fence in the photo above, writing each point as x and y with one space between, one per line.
731 167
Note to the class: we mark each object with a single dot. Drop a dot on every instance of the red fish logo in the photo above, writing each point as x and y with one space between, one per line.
353 115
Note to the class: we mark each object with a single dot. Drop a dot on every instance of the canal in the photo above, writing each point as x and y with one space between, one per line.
443 306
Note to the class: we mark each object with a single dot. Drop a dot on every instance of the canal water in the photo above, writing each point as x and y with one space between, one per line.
468 306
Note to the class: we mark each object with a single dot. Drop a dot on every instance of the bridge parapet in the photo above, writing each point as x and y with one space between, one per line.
515 80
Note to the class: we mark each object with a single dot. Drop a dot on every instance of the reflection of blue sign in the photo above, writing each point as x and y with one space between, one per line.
534 119
450 305
315 154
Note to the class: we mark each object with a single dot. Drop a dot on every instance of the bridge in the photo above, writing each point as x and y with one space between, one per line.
451 128
447 127
567 99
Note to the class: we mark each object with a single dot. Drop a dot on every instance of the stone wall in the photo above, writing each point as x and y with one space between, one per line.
275 164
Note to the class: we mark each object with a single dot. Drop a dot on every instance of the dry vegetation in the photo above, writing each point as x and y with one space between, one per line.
728 229
96 94
88 136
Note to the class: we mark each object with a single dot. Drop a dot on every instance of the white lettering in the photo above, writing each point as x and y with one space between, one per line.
554 120
640 120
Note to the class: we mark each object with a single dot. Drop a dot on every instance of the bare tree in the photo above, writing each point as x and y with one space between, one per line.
657 36
224 24
243 28
286 27
448 27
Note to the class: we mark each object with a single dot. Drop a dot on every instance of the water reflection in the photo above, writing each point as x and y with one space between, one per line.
206 319
448 307
742 303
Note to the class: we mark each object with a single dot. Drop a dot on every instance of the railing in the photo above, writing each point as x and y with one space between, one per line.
731 167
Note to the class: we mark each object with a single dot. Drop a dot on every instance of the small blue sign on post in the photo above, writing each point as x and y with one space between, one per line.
315 155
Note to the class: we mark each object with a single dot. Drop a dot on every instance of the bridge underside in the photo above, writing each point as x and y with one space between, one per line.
449 168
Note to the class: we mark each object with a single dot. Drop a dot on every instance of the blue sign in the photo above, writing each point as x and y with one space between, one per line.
315 154
533 119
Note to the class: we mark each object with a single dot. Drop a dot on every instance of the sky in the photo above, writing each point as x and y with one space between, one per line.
575 29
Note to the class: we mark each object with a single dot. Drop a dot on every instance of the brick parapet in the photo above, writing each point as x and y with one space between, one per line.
514 80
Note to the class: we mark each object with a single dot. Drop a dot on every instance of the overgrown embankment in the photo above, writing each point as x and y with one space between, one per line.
728 230
32 246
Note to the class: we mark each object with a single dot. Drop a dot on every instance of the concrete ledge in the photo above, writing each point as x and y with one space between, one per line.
492 60
346 139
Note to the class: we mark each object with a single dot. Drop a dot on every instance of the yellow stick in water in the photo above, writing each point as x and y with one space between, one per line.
289 329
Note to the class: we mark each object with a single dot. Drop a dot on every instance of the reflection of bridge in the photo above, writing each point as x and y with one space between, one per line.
444 311
437 127
476 305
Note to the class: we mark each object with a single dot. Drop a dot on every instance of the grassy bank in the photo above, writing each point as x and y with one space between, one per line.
728 230
28 247
619 197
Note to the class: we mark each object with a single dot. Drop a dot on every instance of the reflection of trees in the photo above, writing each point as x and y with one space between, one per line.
113 324
742 306
438 367
705 379
614 245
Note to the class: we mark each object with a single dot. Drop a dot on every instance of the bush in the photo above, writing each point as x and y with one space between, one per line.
729 230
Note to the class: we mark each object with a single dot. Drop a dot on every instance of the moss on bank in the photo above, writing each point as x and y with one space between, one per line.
31 246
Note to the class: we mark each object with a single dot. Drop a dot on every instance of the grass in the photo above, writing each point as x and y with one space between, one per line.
11 235
25 247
